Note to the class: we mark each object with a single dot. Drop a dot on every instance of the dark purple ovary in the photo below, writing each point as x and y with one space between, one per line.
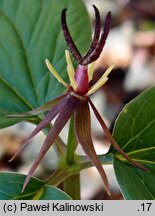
82 80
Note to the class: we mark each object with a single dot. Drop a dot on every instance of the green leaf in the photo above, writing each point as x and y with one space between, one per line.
11 186
135 184
135 133
30 32
53 193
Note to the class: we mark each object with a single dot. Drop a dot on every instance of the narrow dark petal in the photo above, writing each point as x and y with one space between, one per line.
97 51
96 33
83 134
44 108
73 49
48 118
113 142
67 110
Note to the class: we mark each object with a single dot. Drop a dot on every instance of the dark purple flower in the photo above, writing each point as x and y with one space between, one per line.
76 101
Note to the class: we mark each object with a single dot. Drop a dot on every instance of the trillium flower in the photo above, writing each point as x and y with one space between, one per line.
76 102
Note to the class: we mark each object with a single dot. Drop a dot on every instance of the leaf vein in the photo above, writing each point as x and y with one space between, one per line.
16 93
24 49
145 186
141 150
137 135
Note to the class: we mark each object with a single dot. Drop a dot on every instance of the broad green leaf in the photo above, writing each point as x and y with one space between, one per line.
135 184
30 32
53 193
135 132
11 185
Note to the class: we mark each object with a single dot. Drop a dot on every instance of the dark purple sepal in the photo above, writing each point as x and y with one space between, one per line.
112 141
48 118
67 109
83 134
44 108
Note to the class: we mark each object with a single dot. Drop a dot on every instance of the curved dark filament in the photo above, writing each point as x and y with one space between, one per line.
98 49
96 44
96 33
73 49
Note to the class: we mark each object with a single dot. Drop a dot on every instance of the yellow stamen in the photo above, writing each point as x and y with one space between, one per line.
55 73
70 70
91 70
101 81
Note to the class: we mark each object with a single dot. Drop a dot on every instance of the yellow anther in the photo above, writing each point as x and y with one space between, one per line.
70 70
101 81
91 70
55 73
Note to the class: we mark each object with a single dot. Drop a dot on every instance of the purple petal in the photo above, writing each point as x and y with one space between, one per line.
67 110
46 107
48 118
113 142
73 49
83 134
96 32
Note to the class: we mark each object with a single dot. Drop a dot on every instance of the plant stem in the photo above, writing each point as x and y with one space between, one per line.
72 186
71 144
72 183
65 172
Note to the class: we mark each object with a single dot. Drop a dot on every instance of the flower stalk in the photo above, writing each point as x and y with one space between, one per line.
72 183
71 144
